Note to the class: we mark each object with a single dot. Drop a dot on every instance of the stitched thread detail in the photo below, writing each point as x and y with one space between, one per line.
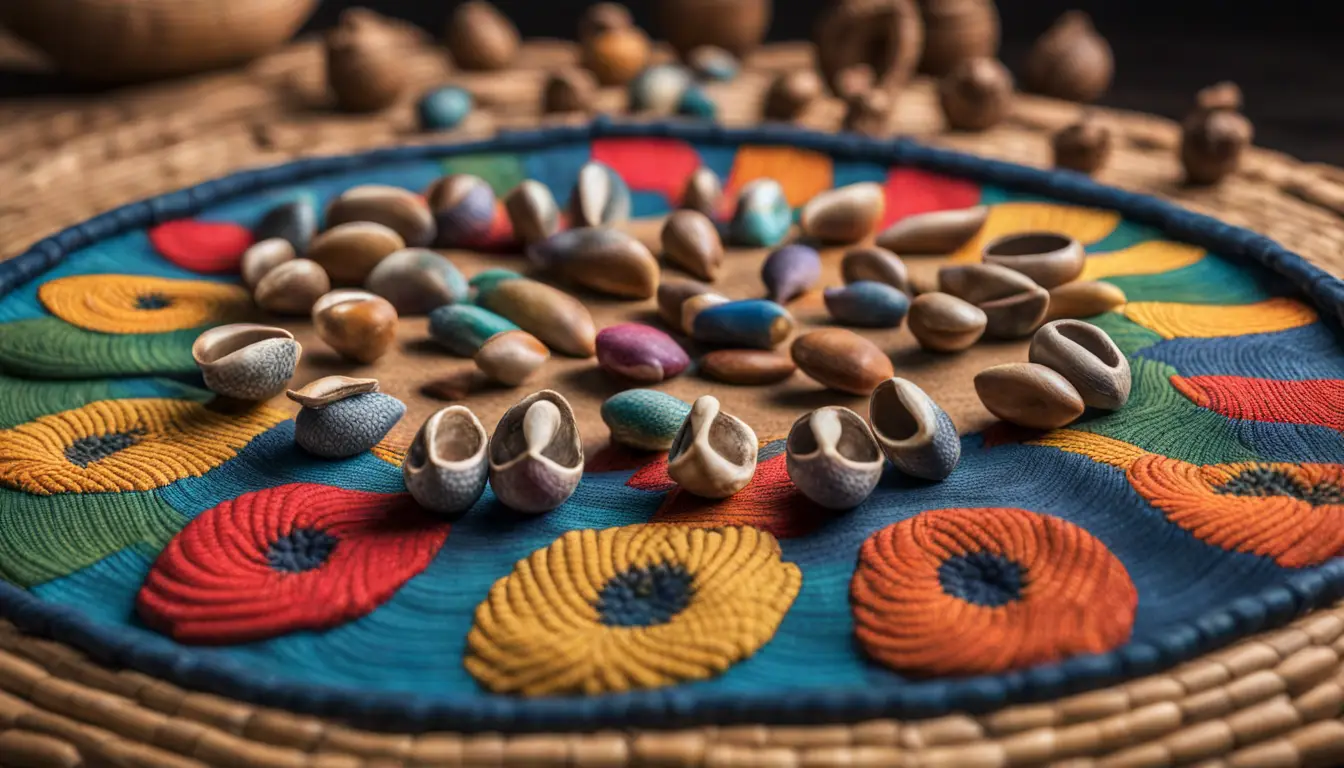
1171 320
1150 258
1040 589
1289 512
135 304
1099 448
548 628
299 556
802 173
207 247
1086 225
50 348
913 190
124 445
23 399
1314 401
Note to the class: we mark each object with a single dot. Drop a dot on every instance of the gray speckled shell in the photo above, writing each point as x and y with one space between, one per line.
257 372
830 479
935 459
448 488
932 449
347 427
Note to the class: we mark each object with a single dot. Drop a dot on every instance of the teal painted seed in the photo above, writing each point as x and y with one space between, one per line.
483 282
710 63
644 418
867 304
463 328
694 102
659 88
763 215
443 108
752 323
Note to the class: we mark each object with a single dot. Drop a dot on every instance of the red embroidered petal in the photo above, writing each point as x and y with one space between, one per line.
911 191
218 582
770 502
1315 401
650 165
207 247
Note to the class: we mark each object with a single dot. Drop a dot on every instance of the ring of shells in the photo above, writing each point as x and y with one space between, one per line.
375 250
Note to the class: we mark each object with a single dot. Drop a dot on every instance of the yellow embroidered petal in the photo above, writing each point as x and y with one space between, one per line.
136 304
124 445
802 173
1205 321
1150 258
392 452
1086 225
642 606
1099 448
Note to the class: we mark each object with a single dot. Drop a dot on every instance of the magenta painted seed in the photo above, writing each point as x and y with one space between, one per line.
640 353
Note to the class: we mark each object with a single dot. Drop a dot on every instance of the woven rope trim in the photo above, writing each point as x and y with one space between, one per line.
1271 608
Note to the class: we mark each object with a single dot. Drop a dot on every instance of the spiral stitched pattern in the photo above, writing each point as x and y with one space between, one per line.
1293 513
136 304
299 556
980 591
124 445
642 606
1314 401
50 348
1171 320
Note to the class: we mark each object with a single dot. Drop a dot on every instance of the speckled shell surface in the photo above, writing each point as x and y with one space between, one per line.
644 418
832 458
347 427
446 467
246 361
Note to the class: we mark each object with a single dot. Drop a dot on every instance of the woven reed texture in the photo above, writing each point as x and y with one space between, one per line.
1272 700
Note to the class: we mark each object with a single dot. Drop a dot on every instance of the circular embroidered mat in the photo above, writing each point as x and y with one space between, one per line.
181 586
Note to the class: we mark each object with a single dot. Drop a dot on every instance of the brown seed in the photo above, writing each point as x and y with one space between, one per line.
532 211
457 385
511 357
1084 299
1048 258
737 26
885 35
1083 146
569 90
748 367
874 264
942 322
616 56
934 232
365 70
955 30
691 242
1223 95
1016 316
349 252
263 256
320 393
842 360
603 17
703 193
855 81
292 288
1070 61
844 215
480 37
976 94
1086 356
869 112
791 94
401 210
357 324
674 292
978 283
1212 142
1028 394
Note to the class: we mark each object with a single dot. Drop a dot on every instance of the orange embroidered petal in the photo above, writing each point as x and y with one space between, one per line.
1099 448
770 502
1292 513
1172 320
983 591
802 173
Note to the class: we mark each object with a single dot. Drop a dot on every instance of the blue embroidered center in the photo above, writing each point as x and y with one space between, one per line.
153 301
303 549
644 597
87 450
1267 481
982 578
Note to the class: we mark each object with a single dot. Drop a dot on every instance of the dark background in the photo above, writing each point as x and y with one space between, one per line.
1286 54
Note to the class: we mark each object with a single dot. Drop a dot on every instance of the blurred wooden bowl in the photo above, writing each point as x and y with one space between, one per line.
129 40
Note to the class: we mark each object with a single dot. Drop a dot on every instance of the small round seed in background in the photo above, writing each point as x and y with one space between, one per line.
790 271
1083 146
365 70
1048 258
790 94
1070 61
463 206
844 215
511 357
640 353
748 367
842 360
443 109
263 256
480 37
876 264
691 242
568 90
603 17
401 210
672 293
1029 395
942 322
976 94
349 252
292 288
712 63
617 55
357 324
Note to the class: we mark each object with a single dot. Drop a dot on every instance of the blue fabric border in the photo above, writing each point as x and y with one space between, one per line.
672 708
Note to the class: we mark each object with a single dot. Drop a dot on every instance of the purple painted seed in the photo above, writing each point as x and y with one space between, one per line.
640 353
790 271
